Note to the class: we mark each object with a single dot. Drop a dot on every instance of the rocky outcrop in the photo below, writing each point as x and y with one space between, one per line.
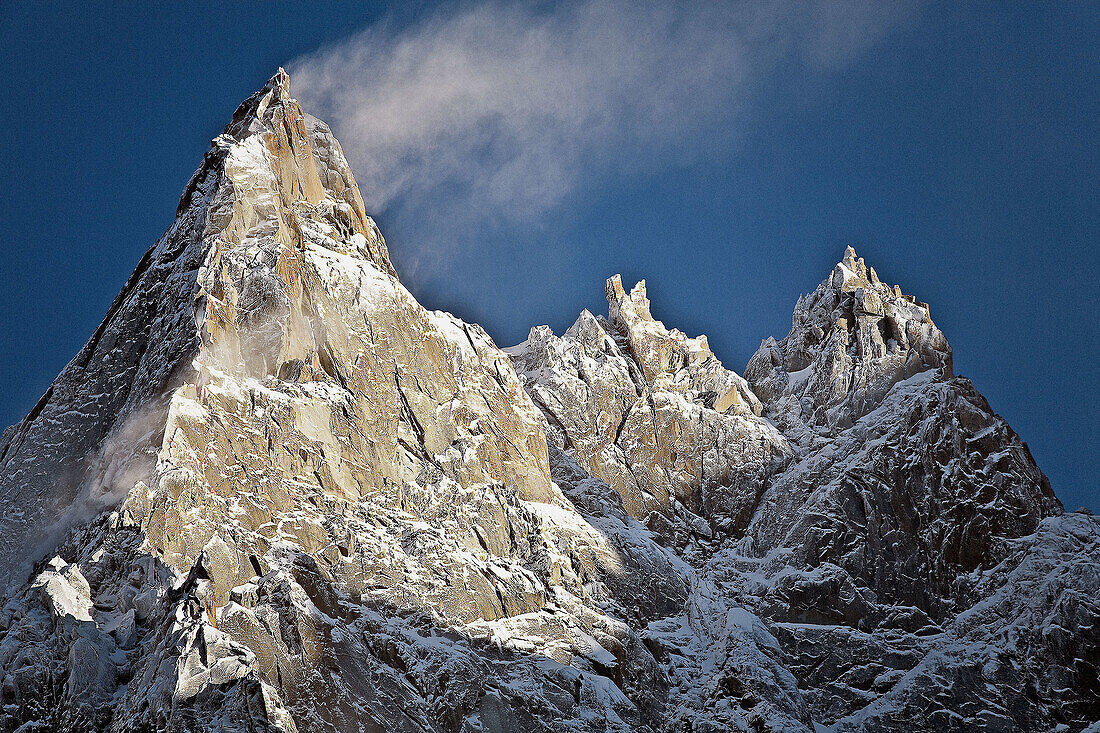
655 415
894 495
275 493
851 340
906 479
333 478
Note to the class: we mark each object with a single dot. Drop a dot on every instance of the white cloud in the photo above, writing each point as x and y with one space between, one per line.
496 112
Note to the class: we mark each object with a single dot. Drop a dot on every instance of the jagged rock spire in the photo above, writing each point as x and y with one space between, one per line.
264 397
851 340
669 358
273 179
652 412
252 110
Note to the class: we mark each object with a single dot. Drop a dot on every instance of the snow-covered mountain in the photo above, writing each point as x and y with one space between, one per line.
273 492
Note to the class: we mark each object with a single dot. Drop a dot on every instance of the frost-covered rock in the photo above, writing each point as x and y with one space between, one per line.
897 491
274 493
326 498
851 340
654 414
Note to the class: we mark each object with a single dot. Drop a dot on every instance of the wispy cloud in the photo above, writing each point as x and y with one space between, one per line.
497 112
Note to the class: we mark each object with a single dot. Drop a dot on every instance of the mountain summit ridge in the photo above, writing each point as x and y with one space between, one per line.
273 492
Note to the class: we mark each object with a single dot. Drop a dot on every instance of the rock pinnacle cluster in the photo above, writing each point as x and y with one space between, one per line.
275 493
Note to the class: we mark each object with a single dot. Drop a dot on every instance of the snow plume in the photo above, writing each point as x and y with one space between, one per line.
127 456
497 112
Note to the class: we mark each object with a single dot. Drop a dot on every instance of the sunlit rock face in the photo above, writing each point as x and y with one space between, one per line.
274 493
332 477
654 414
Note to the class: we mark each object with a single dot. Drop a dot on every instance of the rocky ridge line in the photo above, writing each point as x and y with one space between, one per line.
278 494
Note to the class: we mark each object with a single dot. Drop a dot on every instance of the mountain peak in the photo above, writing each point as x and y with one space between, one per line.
851 340
852 266
852 272
671 357
223 288
262 396
279 82
275 92
300 501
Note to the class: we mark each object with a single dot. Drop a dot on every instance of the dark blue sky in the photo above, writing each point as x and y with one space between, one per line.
958 154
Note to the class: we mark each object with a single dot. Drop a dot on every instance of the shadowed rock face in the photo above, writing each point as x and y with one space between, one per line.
273 492
906 481
851 340
890 494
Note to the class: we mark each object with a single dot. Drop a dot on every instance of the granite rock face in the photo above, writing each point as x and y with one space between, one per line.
654 414
273 492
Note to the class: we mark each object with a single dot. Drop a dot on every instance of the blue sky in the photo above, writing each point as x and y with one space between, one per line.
516 157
